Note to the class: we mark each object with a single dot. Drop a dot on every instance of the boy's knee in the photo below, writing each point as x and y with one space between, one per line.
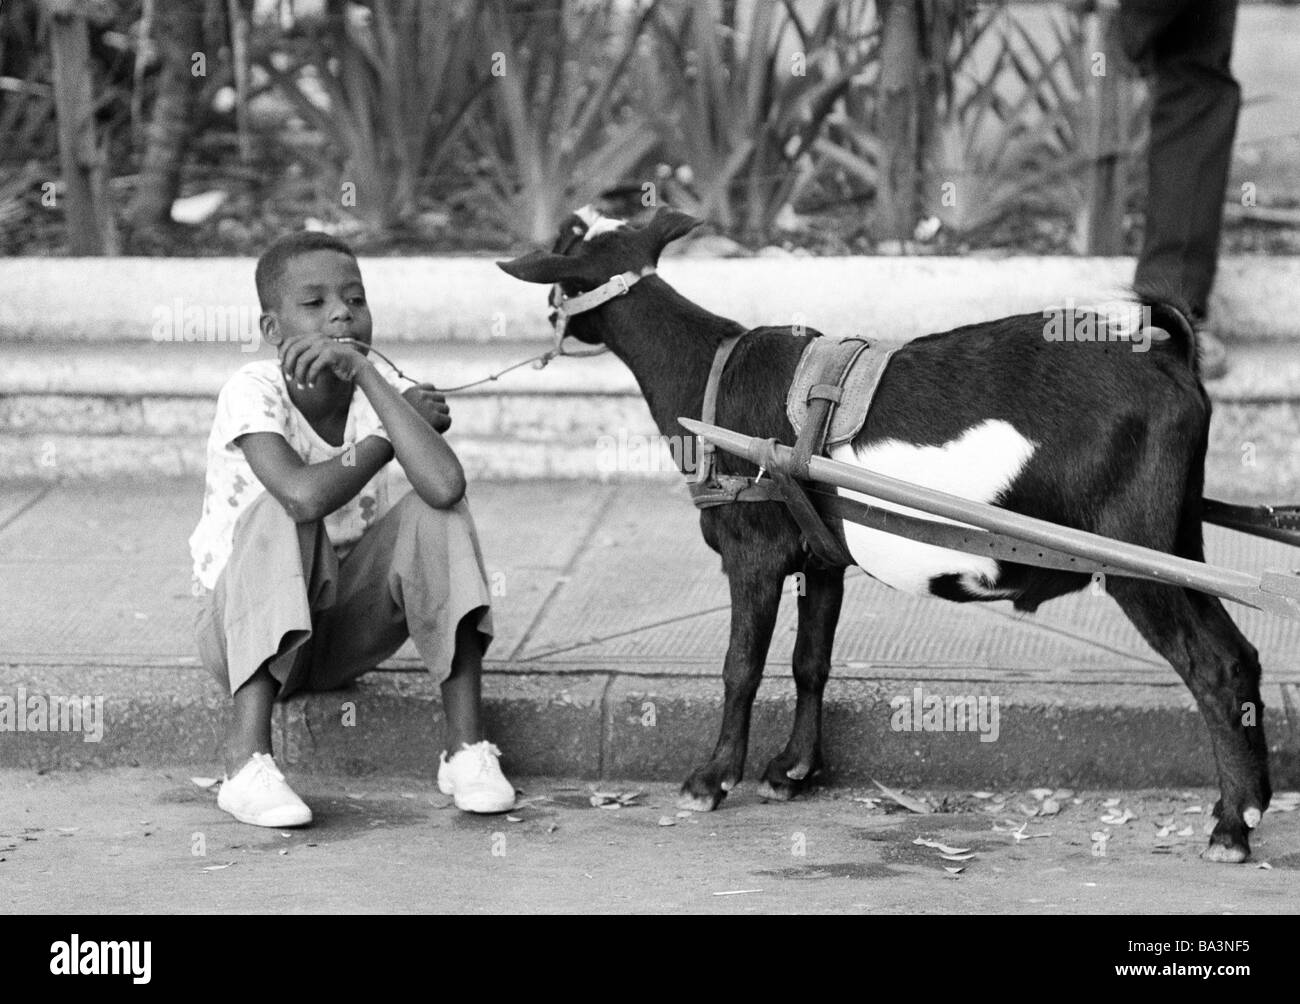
429 519
266 508
264 519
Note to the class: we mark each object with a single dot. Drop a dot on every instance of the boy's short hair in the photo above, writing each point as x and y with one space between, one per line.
271 265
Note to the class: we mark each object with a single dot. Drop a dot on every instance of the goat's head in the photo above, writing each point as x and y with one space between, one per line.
591 250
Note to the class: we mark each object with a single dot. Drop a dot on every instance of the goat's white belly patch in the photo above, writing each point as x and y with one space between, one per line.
979 465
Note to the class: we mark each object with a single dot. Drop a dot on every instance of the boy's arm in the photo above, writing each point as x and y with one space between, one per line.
430 464
310 491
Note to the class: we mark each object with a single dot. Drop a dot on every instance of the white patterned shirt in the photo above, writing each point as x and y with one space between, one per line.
256 399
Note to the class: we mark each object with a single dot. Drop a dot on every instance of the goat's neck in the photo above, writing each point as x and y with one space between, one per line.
668 343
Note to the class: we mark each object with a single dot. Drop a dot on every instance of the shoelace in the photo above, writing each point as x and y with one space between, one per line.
265 770
486 754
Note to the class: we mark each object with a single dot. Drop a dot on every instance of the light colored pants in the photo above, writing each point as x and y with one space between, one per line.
285 599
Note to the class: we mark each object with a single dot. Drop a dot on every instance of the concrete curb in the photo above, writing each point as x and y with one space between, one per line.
592 724
437 299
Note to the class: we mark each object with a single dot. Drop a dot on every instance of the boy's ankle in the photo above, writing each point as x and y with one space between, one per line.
457 743
234 757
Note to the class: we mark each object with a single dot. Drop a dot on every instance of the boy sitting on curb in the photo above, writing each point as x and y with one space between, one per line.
311 573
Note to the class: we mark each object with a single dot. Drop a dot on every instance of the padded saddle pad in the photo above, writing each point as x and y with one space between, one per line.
822 360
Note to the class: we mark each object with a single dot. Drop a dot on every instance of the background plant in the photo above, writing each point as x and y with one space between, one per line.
389 85
741 93
831 123
556 130
1014 134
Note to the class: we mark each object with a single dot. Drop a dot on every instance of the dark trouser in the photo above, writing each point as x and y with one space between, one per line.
285 601
1187 45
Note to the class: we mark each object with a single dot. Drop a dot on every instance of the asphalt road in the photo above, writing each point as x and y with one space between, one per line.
132 841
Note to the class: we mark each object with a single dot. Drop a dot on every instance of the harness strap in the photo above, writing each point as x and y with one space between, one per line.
570 306
728 488
1276 522
705 486
616 286
823 396
825 541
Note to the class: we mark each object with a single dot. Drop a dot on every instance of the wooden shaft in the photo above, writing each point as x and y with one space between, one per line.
1143 562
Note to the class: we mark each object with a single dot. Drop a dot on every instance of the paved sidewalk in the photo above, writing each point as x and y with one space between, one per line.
613 620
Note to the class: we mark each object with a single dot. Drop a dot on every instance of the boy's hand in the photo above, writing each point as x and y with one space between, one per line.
305 359
431 403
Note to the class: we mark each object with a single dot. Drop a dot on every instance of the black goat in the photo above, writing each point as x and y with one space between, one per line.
1087 434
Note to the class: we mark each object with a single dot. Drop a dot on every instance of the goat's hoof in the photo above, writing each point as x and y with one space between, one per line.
787 776
1226 855
781 785
1229 844
697 803
705 789
772 793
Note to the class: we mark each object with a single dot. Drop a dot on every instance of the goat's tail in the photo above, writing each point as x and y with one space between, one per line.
1170 312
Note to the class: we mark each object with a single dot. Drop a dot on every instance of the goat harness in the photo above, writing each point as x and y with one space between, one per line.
570 306
827 405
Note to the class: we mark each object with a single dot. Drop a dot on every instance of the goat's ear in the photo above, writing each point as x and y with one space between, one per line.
668 225
540 266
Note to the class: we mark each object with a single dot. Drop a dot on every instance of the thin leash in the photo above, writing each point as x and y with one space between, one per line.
539 362
563 308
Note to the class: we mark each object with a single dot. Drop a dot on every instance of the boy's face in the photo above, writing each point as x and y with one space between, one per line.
320 296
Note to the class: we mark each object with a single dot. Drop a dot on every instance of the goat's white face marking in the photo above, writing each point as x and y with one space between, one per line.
596 223
979 465
603 226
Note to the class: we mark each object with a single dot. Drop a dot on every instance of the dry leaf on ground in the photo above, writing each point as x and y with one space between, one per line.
906 801
613 799
941 847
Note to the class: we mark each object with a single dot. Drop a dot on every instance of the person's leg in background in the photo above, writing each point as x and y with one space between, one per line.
1187 48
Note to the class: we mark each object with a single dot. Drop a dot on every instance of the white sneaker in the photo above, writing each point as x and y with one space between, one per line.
259 795
473 778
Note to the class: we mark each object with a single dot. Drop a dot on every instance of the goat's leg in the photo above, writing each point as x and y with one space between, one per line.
819 614
1221 668
755 600
1251 798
